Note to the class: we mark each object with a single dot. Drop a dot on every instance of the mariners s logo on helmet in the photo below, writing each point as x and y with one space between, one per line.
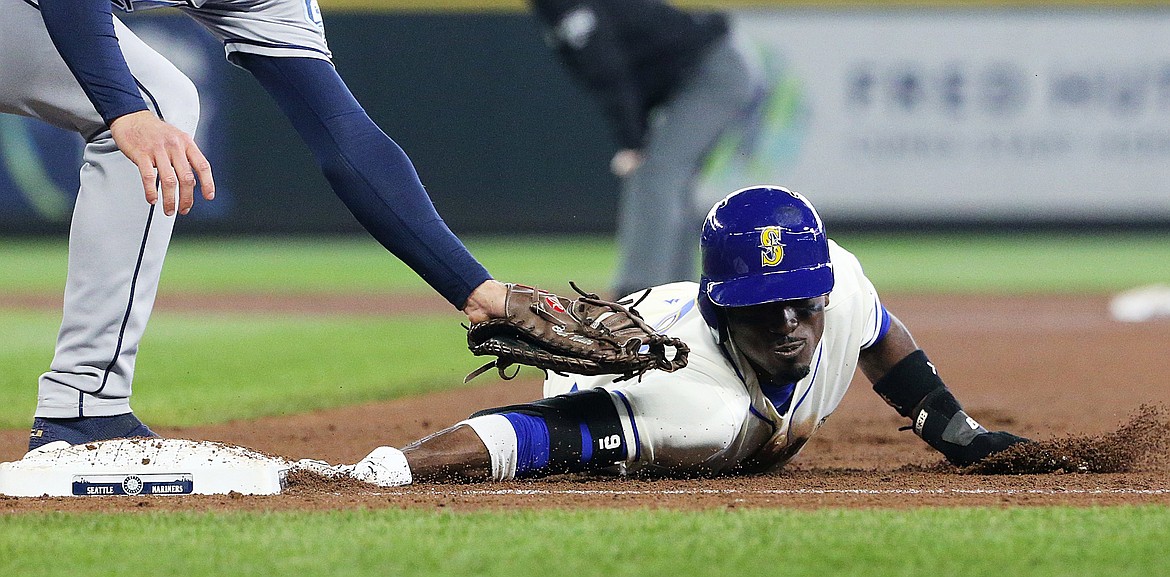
771 249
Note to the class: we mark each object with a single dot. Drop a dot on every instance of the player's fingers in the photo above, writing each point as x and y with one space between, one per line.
186 182
202 169
149 181
186 190
168 184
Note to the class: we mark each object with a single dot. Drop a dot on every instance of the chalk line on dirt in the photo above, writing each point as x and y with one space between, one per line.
604 492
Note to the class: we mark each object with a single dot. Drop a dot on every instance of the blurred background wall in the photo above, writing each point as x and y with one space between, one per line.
889 114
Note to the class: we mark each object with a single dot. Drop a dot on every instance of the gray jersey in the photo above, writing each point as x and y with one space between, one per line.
268 27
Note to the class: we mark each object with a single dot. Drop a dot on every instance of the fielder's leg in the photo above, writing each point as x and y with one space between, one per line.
117 240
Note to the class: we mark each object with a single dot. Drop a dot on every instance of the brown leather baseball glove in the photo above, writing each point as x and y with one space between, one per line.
587 336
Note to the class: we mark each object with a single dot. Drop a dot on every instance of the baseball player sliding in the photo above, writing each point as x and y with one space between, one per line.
73 64
781 318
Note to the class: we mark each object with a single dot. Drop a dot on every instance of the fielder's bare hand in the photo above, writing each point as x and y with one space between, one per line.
167 159
487 301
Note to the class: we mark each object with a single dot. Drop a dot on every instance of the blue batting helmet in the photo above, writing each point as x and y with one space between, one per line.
762 244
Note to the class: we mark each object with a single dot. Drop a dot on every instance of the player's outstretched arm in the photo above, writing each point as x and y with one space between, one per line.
909 382
167 159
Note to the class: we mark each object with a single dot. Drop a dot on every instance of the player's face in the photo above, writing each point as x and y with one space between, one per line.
779 338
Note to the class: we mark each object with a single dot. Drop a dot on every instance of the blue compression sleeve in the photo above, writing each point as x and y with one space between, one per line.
883 328
368 171
533 444
83 32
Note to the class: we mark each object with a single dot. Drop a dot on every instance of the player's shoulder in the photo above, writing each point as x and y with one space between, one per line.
668 290
841 257
848 276
663 300
673 309
676 290
662 296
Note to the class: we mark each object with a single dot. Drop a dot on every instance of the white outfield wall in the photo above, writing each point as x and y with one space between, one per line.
1040 114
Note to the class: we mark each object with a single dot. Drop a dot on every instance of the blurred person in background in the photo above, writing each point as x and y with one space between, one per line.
670 82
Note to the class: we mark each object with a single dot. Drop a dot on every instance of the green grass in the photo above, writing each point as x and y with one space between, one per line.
244 366
213 368
314 265
1015 264
962 542
200 368
284 365
955 263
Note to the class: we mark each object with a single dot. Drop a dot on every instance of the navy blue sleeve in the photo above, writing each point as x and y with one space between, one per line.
83 32
368 171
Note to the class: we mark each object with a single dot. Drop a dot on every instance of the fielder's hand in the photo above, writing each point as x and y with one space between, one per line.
587 336
167 159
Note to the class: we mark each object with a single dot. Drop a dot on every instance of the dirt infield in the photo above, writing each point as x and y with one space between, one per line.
1043 367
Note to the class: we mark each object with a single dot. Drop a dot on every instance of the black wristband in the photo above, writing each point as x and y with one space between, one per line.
915 390
908 383
941 421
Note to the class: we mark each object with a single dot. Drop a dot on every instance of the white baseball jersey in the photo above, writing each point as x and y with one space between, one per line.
712 416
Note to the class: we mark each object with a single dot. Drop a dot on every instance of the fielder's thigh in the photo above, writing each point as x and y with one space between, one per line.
265 27
35 82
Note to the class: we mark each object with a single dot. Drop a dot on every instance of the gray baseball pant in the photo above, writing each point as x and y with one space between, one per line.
117 242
